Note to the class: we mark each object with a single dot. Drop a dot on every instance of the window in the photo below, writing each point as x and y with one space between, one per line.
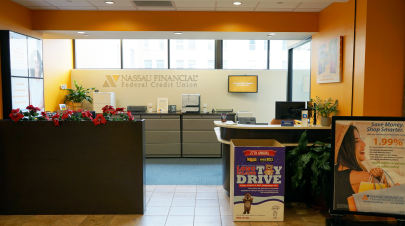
300 76
211 64
278 53
210 45
265 45
284 45
191 44
179 44
252 45
148 64
179 64
136 52
238 54
191 64
160 64
195 55
98 53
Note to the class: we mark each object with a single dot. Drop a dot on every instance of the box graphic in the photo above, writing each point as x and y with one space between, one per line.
258 181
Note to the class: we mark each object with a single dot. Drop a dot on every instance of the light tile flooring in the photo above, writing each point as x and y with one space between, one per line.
174 205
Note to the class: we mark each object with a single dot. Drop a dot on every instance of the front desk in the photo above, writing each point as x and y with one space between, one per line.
181 135
286 135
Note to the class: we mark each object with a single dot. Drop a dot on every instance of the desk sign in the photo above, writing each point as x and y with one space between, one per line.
257 180
287 122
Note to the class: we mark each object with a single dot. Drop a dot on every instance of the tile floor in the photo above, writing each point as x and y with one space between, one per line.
174 205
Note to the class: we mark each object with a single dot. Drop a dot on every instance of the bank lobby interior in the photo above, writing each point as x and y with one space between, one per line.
372 80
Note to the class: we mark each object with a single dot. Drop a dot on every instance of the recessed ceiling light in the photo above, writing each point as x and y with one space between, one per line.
237 3
271 34
110 2
178 33
86 34
80 32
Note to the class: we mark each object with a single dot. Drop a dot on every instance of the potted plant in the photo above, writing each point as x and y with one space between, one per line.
311 167
325 108
78 96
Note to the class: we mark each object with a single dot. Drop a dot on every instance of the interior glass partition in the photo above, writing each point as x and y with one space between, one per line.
299 71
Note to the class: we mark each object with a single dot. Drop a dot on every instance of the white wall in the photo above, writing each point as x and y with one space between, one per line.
211 84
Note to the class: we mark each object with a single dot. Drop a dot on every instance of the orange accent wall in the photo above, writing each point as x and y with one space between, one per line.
384 58
58 61
16 18
360 57
175 21
334 21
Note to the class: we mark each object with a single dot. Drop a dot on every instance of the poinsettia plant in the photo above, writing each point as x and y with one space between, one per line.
69 115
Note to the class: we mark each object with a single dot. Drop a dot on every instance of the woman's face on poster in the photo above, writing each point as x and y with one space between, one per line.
360 146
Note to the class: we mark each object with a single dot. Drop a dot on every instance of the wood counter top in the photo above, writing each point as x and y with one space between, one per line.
233 125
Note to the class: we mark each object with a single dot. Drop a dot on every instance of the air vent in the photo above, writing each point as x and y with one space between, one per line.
153 3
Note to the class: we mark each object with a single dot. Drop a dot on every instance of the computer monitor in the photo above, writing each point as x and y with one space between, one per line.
289 110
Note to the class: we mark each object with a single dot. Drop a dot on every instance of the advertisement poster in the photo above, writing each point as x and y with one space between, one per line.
18 55
330 61
35 58
258 180
369 167
37 93
19 92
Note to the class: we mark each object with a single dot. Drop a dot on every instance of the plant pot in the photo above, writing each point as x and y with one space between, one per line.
77 106
318 203
326 121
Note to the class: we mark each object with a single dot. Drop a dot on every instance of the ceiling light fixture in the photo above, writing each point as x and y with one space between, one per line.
237 3
110 2
178 33
271 34
80 32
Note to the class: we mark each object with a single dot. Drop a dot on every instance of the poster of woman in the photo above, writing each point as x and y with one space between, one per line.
369 165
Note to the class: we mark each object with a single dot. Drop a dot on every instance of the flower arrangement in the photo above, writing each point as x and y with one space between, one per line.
69 115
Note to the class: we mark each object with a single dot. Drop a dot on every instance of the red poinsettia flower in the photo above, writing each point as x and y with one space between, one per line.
32 108
99 119
45 115
65 116
80 110
16 115
107 108
130 116
55 119
120 109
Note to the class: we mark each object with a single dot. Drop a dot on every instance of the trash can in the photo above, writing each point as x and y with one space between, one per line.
257 180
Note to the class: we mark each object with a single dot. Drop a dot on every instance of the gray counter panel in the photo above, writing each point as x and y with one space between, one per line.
199 137
161 117
201 150
163 150
198 124
162 124
152 137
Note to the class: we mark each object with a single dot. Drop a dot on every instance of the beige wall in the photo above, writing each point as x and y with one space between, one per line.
211 84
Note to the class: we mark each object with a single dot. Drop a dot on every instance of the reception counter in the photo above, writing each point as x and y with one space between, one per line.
286 135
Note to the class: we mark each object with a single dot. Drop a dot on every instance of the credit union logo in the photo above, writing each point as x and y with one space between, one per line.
111 81
365 197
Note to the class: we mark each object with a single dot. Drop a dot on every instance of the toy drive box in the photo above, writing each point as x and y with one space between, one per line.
257 180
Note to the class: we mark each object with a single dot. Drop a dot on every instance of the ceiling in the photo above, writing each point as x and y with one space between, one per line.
182 5
48 34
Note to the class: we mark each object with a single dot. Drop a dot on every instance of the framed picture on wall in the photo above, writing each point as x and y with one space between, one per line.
329 65
162 105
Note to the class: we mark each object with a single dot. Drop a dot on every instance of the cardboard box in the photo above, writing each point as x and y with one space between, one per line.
257 180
